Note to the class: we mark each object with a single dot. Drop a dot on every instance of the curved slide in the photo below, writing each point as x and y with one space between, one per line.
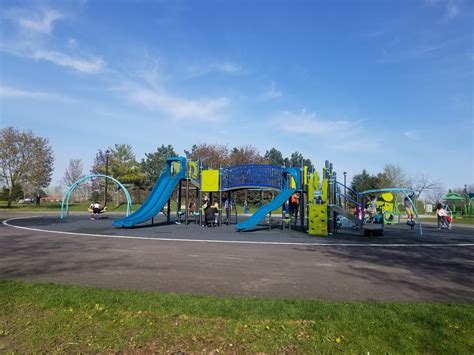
260 214
157 198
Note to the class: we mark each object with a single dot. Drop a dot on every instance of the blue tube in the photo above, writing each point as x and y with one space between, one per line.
67 194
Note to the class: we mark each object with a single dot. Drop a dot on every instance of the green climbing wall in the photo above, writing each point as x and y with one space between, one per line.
318 206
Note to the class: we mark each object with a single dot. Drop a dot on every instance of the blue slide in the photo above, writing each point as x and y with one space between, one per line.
158 197
276 203
260 214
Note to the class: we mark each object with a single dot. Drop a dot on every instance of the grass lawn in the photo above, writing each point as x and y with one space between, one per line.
37 317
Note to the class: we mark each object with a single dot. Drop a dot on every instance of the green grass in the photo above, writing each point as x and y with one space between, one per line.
38 317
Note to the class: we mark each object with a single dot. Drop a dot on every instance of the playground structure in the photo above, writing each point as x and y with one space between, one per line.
322 205
459 204
69 191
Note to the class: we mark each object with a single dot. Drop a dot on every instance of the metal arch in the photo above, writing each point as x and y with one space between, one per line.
404 192
67 195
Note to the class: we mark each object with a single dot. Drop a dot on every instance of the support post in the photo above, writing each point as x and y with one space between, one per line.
187 202
107 152
229 202
168 217
200 207
302 210
178 209
330 204
220 196
345 191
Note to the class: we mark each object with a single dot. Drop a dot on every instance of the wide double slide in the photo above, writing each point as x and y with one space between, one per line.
175 172
285 193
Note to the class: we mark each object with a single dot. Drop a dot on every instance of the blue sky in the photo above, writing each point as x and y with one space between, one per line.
361 83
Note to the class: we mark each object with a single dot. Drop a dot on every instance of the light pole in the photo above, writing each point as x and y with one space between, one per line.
107 152
345 191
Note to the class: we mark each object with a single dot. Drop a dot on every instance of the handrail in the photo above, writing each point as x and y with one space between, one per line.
348 188
349 199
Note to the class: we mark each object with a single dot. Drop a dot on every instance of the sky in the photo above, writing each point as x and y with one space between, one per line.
360 83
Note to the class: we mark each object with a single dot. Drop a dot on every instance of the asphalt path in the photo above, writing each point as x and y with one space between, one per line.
400 266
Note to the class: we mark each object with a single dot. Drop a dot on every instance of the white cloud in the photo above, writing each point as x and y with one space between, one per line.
179 108
411 135
8 92
227 67
32 41
196 70
451 8
42 23
309 123
339 135
90 66
451 11
271 93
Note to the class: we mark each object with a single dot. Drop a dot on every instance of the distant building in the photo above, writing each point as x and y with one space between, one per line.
51 198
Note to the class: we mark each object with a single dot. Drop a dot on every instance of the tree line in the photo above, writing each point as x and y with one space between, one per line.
26 166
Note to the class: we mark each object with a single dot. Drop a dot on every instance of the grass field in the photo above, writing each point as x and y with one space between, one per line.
46 317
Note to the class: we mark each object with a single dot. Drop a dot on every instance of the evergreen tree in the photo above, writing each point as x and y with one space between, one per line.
274 156
155 162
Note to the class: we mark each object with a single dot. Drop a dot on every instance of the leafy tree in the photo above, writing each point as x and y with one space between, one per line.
244 155
364 181
274 156
296 159
155 162
16 194
24 158
95 196
210 154
122 164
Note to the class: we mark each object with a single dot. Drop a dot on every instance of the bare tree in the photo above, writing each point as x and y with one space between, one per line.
24 158
424 183
435 195
74 172
393 176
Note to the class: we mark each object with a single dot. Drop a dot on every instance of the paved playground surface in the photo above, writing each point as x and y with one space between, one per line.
399 266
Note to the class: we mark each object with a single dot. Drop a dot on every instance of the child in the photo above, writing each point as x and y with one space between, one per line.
96 209
442 217
191 207
409 207
215 206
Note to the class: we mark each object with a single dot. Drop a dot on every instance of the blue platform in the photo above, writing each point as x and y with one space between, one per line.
251 176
